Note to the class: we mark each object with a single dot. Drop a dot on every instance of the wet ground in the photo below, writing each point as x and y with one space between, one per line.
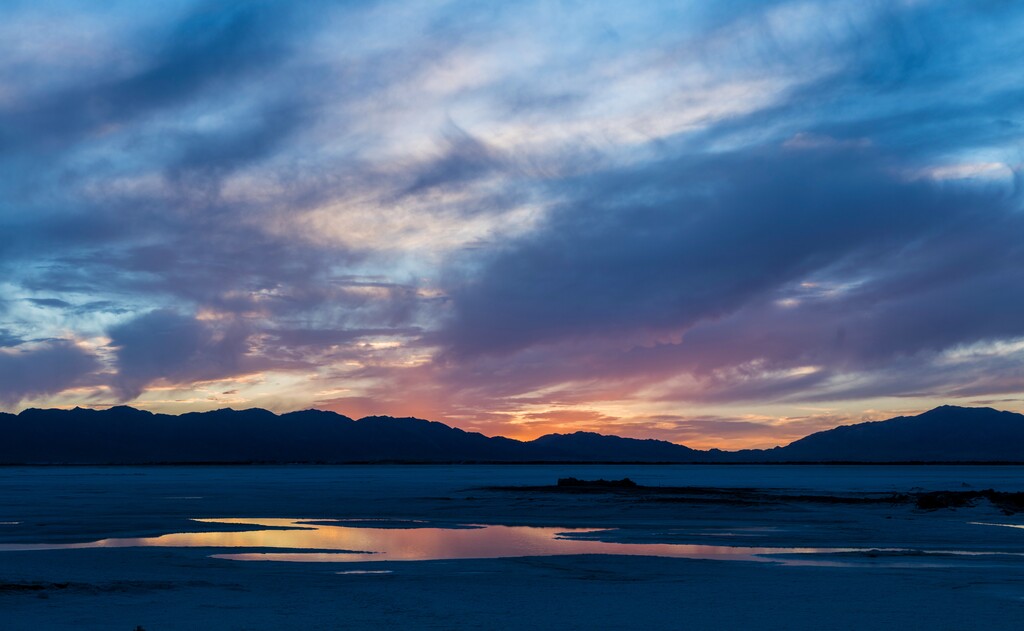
497 547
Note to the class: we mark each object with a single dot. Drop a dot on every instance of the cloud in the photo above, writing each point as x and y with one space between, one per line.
41 369
470 213
213 46
50 302
173 348
8 340
791 291
662 247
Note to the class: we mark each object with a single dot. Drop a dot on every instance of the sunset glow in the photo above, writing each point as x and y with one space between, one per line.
722 228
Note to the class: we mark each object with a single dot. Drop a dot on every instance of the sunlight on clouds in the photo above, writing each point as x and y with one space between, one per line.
648 114
695 426
423 228
995 171
980 350
383 344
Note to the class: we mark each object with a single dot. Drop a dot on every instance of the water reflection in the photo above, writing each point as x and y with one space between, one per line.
334 541
985 523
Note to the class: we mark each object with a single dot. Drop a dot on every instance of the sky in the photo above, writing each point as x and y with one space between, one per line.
721 224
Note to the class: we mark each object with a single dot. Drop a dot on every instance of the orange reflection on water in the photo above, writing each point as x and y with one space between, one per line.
327 541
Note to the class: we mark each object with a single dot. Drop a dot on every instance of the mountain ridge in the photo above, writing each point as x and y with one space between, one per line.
127 435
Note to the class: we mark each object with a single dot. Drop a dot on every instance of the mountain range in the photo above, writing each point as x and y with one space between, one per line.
125 435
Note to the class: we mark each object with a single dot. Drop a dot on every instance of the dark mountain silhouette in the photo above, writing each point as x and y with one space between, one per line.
947 433
598 447
125 435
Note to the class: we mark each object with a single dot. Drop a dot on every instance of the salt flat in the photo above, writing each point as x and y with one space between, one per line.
910 568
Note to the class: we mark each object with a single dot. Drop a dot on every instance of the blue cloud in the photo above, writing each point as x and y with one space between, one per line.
43 369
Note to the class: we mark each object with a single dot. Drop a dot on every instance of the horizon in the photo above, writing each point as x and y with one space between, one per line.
720 226
370 416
